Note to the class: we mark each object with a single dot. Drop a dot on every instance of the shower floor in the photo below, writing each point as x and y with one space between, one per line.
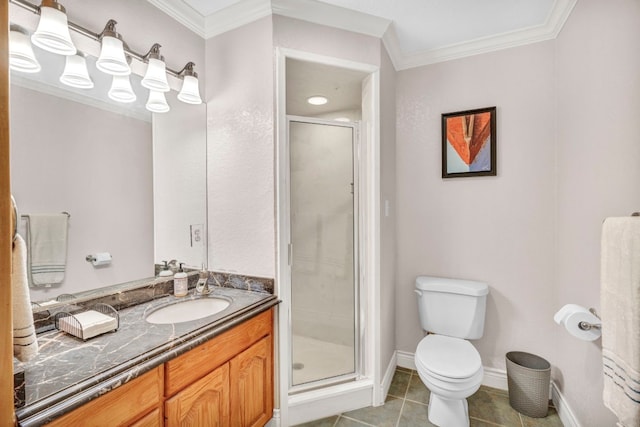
314 359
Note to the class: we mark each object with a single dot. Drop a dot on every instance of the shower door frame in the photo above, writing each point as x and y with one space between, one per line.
355 185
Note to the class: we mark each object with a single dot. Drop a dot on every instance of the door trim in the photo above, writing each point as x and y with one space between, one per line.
369 225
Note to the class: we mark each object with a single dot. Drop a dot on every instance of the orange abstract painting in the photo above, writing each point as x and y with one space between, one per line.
469 143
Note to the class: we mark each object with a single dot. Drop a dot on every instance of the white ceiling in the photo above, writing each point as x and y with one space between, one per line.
415 32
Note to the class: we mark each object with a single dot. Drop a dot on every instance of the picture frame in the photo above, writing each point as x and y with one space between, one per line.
469 143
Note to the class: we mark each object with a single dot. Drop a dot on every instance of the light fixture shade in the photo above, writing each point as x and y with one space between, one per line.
190 92
21 56
121 90
112 60
157 103
52 33
75 72
155 79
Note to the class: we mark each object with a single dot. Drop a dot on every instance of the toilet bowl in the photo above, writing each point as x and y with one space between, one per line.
452 371
450 367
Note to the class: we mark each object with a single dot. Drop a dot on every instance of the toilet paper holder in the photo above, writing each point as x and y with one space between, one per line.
586 326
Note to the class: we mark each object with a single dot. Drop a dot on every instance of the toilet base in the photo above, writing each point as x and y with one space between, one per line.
448 412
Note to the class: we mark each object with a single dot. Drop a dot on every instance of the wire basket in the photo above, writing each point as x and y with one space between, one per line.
528 377
102 319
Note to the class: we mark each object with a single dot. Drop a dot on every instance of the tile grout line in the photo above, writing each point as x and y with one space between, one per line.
404 399
356 420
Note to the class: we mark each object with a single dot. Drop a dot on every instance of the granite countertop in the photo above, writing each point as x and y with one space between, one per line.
69 372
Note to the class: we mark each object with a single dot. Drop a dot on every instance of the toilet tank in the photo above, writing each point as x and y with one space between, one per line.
452 307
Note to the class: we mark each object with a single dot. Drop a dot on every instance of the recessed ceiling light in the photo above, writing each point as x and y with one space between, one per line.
342 119
317 100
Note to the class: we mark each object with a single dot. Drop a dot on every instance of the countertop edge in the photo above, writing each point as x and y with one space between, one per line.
48 409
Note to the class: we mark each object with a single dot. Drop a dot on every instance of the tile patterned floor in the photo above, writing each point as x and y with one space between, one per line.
406 406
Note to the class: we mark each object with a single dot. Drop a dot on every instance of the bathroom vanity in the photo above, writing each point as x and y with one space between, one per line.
148 374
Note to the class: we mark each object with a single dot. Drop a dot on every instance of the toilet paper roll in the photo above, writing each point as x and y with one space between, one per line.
101 258
570 317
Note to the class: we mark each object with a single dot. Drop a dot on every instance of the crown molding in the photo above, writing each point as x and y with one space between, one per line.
247 11
547 31
332 16
235 16
183 13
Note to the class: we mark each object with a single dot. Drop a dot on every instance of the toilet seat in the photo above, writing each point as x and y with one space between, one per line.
448 359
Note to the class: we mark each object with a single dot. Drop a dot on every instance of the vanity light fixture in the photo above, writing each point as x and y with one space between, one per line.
155 77
121 90
52 33
190 92
157 103
75 72
21 56
112 59
317 100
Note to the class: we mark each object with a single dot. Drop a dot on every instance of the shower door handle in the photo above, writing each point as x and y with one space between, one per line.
290 253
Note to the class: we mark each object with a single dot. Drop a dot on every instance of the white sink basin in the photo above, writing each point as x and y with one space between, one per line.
187 311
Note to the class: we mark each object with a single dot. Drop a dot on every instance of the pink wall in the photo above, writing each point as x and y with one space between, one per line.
598 155
567 158
494 229
387 223
240 135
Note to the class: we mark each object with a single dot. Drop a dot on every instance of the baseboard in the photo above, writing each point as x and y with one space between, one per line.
564 411
405 360
275 419
388 377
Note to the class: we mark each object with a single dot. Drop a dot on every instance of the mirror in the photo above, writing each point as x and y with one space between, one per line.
134 185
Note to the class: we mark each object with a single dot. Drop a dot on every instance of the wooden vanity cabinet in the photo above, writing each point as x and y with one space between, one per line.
224 382
227 381
131 404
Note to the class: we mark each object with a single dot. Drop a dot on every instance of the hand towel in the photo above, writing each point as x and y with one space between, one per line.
25 344
47 248
620 306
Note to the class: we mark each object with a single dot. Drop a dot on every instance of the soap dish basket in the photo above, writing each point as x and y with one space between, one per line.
97 320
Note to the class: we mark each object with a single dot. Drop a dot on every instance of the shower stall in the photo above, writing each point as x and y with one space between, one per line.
323 233
328 237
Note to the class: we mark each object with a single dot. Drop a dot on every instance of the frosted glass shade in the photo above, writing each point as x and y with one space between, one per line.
21 56
52 33
112 60
157 103
190 92
75 73
121 90
155 79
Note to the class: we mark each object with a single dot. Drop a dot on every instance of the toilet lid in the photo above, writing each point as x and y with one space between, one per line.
448 357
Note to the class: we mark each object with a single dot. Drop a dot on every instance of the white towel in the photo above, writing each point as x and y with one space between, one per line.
620 301
25 344
47 248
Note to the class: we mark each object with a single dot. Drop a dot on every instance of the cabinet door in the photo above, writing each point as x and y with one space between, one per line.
252 385
203 403
120 406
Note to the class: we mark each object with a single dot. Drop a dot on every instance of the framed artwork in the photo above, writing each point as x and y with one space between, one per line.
469 143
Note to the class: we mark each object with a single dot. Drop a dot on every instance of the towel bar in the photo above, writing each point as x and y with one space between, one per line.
64 212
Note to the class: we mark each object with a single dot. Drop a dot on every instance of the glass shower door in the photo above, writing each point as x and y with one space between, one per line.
323 256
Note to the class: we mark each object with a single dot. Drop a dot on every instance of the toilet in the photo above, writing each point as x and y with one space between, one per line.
452 311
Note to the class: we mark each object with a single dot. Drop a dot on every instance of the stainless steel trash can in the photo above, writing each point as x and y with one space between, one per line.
528 377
